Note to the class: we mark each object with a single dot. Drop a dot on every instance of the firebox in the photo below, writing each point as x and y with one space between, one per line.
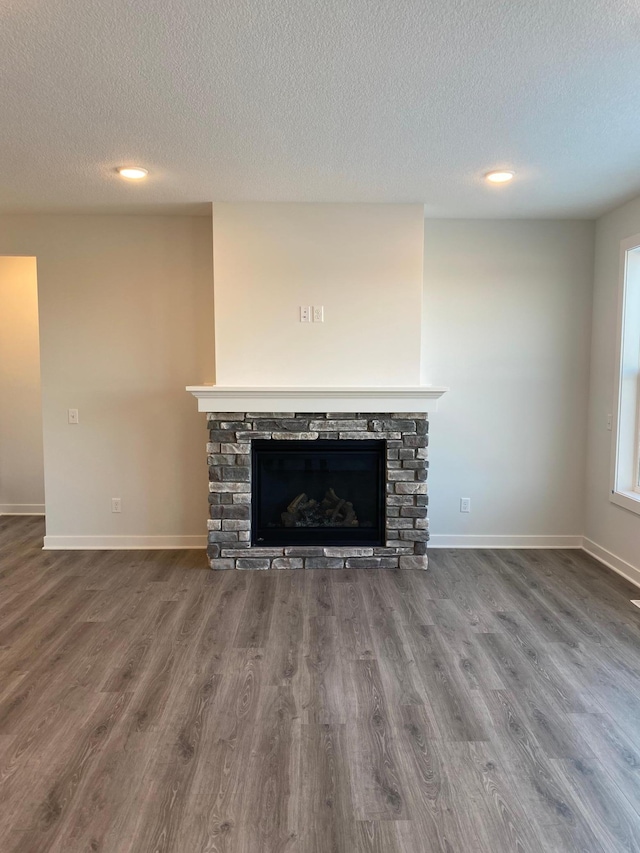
318 492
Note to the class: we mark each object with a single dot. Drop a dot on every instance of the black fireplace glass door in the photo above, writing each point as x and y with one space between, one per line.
318 492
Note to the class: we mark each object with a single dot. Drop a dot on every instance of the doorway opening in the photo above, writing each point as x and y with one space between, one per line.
21 448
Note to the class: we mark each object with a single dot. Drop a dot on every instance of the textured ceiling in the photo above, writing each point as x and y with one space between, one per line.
320 100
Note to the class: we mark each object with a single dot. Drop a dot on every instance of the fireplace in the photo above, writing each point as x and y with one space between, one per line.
275 380
318 492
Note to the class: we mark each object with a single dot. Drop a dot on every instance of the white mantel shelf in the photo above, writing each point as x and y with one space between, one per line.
218 398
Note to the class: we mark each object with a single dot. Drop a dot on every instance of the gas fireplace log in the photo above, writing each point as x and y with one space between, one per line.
350 518
331 512
299 504
336 511
298 509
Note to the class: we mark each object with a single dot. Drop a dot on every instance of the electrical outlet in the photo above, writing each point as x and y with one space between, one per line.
609 422
116 505
73 416
465 504
318 313
305 313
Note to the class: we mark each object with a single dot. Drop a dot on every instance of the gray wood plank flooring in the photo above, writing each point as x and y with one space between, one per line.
489 704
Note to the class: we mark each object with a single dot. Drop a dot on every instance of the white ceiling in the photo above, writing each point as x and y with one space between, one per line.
320 100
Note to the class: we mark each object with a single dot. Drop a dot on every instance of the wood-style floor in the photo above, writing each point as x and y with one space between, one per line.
490 704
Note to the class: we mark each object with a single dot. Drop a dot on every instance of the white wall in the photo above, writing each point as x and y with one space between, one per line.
614 532
362 262
21 462
125 323
507 327
126 309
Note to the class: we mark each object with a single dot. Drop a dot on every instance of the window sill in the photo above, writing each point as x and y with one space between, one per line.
628 500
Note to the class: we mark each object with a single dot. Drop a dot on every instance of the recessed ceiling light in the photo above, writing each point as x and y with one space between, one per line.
134 173
499 177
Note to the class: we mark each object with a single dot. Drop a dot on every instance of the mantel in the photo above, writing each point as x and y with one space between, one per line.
219 398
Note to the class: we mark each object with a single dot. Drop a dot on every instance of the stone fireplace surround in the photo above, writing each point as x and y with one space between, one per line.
229 461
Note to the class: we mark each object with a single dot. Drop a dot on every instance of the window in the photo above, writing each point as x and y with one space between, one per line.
625 486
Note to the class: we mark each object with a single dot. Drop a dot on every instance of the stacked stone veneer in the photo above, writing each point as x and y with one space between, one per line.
229 458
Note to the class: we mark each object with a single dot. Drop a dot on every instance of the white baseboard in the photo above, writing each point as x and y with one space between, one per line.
122 543
21 509
119 543
612 561
517 541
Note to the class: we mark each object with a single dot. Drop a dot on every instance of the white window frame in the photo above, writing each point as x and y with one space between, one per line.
625 451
